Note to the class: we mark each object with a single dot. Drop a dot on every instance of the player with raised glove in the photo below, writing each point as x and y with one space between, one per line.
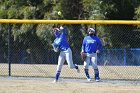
65 51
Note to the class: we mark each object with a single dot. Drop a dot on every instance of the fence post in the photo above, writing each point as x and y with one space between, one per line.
95 28
9 49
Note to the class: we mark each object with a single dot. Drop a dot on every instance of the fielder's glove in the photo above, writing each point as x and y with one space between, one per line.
83 56
55 47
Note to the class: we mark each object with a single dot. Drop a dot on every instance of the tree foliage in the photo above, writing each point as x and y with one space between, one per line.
123 35
38 37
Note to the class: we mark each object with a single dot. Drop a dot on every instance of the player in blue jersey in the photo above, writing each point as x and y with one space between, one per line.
90 47
61 44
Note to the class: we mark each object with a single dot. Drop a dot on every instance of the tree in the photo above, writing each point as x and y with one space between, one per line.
25 35
137 17
120 35
28 36
73 9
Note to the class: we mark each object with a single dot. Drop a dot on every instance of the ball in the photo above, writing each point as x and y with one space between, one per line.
59 13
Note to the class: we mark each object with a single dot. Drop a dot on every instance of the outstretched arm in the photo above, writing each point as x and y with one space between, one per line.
63 29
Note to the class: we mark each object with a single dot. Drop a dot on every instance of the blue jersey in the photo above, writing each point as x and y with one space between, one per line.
61 40
91 44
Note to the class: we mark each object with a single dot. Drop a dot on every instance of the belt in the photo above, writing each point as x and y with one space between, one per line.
90 52
64 49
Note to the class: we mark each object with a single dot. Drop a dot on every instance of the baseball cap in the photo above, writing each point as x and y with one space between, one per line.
91 30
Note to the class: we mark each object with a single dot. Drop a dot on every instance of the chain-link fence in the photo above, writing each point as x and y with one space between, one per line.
25 50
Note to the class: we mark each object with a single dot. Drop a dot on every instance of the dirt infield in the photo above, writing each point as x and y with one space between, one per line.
25 79
28 85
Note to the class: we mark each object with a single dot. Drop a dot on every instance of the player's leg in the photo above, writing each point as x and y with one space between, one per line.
86 65
69 60
95 67
61 60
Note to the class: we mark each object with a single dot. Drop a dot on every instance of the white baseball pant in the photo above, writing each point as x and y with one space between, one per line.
91 58
65 55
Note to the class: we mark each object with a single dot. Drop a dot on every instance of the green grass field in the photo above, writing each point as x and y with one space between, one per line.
45 70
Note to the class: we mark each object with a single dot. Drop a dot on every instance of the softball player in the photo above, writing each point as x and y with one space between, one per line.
65 51
90 47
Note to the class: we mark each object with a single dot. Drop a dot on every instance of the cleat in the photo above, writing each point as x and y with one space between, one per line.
97 79
55 81
77 68
88 79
